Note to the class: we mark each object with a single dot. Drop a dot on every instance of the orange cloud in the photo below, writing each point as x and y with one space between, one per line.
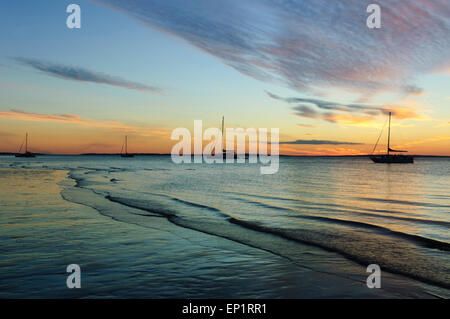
398 112
427 140
402 112
347 118
319 151
75 119
293 151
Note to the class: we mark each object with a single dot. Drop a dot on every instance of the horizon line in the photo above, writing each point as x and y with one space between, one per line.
169 154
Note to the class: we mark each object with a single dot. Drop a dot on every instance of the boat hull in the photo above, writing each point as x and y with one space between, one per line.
392 159
27 154
126 155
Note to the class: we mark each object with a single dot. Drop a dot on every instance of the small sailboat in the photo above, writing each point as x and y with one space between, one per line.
26 153
228 153
125 145
391 158
224 152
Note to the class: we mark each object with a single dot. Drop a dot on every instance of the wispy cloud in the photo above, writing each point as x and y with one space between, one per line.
347 118
306 125
310 45
351 113
328 151
319 142
77 73
75 119
306 111
326 105
426 140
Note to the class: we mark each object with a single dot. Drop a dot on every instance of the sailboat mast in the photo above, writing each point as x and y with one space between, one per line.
26 142
389 133
126 144
223 119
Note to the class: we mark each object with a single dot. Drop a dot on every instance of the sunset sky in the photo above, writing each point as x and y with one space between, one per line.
142 68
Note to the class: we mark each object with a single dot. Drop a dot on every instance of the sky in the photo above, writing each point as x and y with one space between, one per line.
142 68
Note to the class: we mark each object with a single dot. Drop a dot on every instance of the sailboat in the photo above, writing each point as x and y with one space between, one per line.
26 154
392 158
126 154
225 151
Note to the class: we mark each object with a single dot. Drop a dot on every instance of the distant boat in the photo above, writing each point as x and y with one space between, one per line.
392 158
26 154
224 151
126 154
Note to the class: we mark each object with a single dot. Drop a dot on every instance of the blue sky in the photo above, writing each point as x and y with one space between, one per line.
156 65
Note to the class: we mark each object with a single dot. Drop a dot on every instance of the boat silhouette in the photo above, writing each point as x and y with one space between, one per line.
125 145
389 158
26 153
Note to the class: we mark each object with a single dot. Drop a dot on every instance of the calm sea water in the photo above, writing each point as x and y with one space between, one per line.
397 216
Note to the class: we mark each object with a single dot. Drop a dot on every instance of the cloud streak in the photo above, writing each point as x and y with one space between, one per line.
76 73
75 119
318 142
351 113
306 125
310 45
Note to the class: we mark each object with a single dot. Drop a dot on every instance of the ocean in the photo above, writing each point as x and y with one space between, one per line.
146 227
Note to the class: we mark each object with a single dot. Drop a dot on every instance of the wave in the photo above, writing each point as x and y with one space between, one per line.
210 208
89 198
261 204
402 202
142 205
329 208
327 205
347 246
426 242
442 280
365 243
